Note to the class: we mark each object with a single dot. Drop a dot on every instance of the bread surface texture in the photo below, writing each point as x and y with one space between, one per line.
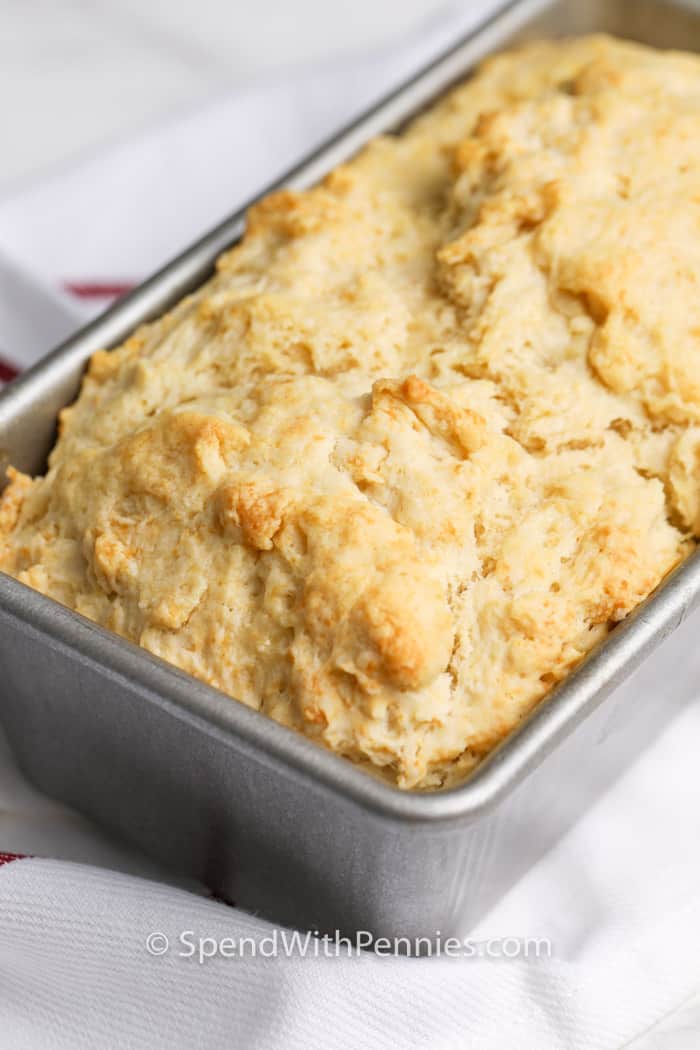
431 430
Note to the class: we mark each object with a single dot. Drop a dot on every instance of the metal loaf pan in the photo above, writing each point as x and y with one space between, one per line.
260 814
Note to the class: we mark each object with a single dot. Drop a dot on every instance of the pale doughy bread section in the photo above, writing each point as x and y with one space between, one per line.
431 430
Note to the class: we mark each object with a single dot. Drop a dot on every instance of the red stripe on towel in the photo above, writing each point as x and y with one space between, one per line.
5 858
7 372
98 289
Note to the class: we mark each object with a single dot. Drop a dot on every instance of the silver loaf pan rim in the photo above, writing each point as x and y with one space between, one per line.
28 409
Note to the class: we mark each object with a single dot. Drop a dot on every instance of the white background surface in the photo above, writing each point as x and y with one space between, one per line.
76 73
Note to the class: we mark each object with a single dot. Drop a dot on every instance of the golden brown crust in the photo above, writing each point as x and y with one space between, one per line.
428 433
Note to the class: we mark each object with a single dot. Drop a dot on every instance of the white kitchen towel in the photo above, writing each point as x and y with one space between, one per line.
615 905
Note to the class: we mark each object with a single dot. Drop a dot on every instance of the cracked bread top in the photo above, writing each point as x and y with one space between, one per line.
430 431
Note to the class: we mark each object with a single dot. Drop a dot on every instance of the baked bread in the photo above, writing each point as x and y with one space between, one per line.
429 433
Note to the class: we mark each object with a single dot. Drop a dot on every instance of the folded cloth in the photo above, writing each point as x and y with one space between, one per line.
31 319
615 906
